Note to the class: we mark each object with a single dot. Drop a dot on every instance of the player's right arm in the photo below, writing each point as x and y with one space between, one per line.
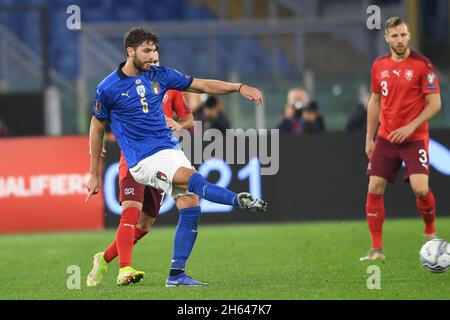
100 113
373 110
373 114
96 133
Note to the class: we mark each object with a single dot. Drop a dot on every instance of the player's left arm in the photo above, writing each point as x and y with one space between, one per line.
179 81
432 107
430 89
222 87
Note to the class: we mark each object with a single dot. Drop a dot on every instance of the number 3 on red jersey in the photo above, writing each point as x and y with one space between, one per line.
384 88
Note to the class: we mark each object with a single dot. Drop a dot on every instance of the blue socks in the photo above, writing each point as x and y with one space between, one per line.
185 236
197 184
186 231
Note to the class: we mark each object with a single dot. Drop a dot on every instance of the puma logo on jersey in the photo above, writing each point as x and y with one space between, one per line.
125 94
397 72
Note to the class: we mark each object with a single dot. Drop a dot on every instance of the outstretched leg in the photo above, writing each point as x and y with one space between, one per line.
194 182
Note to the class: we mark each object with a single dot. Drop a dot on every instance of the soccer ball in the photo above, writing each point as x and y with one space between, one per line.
435 255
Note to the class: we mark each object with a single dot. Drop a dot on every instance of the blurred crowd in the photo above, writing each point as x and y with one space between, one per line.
209 109
300 114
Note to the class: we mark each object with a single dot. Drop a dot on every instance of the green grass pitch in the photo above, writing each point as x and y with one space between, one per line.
317 260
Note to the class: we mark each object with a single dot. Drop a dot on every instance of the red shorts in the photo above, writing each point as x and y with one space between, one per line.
386 159
151 198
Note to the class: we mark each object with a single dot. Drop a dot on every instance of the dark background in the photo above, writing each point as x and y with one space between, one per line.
321 177
23 113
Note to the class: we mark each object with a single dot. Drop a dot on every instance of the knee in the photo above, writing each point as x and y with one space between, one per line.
144 227
188 201
127 204
146 224
420 190
377 187
194 201
182 176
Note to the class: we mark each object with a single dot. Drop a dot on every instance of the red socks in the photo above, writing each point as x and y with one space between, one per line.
125 236
375 218
375 215
139 234
427 208
111 252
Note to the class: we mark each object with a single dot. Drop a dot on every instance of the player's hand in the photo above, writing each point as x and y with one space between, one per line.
93 186
401 134
370 145
172 124
251 93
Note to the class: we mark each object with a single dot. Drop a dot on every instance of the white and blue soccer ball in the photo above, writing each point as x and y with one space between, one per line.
435 255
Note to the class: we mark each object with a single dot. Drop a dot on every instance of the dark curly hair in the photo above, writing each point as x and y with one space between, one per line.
137 36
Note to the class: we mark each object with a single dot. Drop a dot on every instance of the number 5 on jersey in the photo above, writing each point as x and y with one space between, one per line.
144 105
384 88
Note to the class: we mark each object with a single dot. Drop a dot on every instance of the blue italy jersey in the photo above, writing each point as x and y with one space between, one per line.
133 107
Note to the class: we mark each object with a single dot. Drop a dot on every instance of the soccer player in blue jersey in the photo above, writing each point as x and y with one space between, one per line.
130 99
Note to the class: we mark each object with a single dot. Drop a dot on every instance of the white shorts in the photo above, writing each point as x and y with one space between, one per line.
158 170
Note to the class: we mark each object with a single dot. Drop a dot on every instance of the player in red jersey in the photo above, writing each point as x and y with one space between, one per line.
405 95
135 196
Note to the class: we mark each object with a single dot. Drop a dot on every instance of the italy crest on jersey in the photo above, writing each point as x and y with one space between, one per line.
155 87
140 90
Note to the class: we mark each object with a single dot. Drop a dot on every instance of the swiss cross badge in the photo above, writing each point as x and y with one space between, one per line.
409 74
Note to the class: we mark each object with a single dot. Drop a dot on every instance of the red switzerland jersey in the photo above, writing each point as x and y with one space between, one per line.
403 86
173 101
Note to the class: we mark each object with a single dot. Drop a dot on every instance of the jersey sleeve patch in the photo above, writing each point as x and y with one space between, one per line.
99 108
177 80
430 81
